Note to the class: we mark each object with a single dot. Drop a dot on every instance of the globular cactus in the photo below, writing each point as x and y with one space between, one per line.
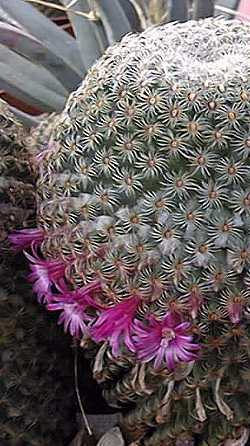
17 195
143 230
33 409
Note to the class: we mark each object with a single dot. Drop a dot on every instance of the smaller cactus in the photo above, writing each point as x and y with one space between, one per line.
33 382
17 195
34 411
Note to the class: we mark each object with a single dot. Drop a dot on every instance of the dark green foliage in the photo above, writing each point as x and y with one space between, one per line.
37 393
17 197
37 401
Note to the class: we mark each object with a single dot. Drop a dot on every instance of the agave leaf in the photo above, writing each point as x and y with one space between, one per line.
27 120
114 19
129 7
101 35
203 9
86 32
55 39
29 82
7 19
28 46
179 10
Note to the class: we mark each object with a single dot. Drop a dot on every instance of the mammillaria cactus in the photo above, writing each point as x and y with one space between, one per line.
33 410
143 238
17 195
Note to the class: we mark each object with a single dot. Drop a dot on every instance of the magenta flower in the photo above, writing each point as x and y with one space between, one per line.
164 341
74 305
25 238
45 274
73 316
235 310
195 301
115 324
46 151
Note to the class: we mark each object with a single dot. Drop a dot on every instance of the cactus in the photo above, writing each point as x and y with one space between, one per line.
17 205
34 411
142 240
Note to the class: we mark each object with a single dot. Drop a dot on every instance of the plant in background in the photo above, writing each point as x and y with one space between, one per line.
33 382
143 196
17 202
53 62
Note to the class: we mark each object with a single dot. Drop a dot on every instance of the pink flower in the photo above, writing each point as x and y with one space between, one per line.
45 274
235 310
73 316
46 151
83 295
234 303
164 341
74 305
195 301
115 324
25 238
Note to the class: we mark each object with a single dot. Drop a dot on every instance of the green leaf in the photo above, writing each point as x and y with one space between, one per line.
7 19
179 10
40 89
55 39
114 19
203 9
27 120
86 32
131 14
28 46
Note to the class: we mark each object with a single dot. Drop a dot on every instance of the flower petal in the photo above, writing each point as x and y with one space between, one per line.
25 238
